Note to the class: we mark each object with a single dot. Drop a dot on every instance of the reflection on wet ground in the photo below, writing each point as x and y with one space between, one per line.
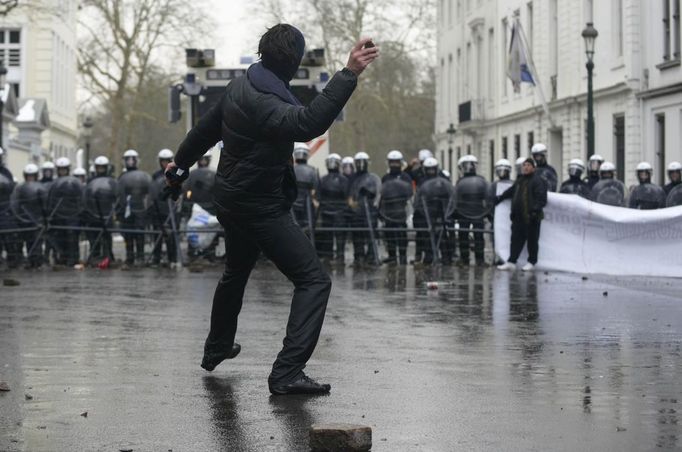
488 361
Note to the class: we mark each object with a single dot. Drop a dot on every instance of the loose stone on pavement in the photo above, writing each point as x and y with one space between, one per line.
340 437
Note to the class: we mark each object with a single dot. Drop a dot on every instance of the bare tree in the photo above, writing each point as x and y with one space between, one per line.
123 40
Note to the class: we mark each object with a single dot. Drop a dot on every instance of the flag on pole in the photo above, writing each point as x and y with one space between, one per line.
518 70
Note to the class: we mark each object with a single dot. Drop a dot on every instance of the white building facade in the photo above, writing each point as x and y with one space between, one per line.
38 47
637 82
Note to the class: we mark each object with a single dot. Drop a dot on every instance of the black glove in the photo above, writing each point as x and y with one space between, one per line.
175 176
498 199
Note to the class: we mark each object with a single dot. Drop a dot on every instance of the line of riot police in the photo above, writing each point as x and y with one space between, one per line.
351 201
43 217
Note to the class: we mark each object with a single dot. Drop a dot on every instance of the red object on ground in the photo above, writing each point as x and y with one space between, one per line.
104 264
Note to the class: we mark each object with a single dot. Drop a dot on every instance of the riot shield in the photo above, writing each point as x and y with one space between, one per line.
610 192
365 185
159 204
199 188
674 197
101 197
647 197
332 193
133 192
65 199
28 202
575 188
471 197
548 174
395 194
436 194
6 187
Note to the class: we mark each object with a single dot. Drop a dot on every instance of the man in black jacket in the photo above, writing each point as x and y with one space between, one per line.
529 197
259 119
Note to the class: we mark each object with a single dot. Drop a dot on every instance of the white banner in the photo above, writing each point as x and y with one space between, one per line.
580 236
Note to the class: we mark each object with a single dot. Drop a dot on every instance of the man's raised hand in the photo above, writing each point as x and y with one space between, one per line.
360 57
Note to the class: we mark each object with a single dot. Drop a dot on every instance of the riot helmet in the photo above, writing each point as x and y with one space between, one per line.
446 174
424 154
607 170
130 159
539 153
47 170
63 165
518 164
395 161
80 174
595 163
205 160
467 165
31 172
301 153
361 161
165 157
101 166
348 166
503 169
430 167
675 172
644 170
333 162
576 168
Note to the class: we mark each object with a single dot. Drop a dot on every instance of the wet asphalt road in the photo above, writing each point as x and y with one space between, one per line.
491 361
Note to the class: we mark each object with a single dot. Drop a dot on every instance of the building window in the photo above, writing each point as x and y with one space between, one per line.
505 148
10 47
459 153
554 37
529 12
660 147
671 30
491 158
531 141
491 70
676 29
666 30
517 146
505 49
619 143
617 18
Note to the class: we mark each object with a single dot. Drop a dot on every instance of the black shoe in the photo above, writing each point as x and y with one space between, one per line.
304 385
211 360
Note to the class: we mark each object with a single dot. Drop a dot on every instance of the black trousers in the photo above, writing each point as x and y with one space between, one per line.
9 242
463 237
134 241
363 248
29 238
103 248
396 240
332 244
284 243
522 233
66 241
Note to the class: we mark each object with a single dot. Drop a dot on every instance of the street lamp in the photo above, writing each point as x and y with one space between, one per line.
3 82
451 139
87 133
590 36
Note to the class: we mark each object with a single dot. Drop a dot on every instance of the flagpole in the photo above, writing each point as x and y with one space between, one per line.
531 63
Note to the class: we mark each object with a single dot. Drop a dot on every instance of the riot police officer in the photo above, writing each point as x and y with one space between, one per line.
160 210
471 207
608 190
332 194
65 202
307 182
27 206
101 198
503 168
675 176
544 169
417 170
47 170
518 165
134 187
433 201
594 163
646 196
396 192
364 191
348 167
575 185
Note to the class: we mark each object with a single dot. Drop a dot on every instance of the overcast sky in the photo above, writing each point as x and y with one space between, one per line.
237 30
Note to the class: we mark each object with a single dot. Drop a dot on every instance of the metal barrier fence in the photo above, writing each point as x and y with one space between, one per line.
41 235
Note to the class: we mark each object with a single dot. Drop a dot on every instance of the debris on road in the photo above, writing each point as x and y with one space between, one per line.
340 437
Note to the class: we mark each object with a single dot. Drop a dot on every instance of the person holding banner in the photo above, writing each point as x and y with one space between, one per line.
529 197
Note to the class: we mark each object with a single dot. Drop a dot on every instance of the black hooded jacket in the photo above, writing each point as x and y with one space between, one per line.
529 197
259 123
